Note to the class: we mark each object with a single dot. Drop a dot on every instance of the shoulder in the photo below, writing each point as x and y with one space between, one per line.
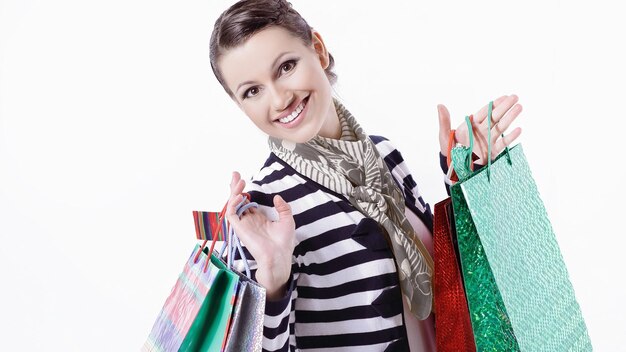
278 177
274 177
377 139
388 151
397 165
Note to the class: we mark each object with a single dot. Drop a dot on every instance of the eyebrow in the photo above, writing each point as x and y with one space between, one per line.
271 69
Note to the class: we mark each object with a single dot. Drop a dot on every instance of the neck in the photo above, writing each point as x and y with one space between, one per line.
331 127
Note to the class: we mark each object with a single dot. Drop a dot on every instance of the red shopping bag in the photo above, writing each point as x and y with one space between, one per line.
453 328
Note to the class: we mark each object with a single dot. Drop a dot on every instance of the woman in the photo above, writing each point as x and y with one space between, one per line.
342 239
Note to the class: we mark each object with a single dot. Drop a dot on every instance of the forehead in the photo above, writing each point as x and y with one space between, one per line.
256 55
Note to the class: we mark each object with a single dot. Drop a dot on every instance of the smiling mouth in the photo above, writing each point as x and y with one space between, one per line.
295 113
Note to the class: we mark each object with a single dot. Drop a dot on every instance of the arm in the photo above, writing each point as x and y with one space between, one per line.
279 312
269 234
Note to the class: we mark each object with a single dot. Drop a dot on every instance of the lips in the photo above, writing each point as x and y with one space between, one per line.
293 113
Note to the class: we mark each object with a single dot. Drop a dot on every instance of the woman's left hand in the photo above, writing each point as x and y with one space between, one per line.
505 111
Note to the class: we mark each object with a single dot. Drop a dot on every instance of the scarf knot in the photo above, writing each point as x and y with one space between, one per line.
369 197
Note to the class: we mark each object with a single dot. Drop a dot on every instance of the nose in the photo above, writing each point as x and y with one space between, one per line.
281 98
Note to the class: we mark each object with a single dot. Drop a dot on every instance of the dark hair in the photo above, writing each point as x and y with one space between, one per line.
247 17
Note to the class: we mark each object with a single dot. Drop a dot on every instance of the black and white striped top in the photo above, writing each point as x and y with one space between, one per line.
343 294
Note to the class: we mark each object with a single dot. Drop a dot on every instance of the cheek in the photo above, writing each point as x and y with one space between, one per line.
257 114
312 76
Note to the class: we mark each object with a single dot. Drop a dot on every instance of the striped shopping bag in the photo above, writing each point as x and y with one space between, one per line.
184 303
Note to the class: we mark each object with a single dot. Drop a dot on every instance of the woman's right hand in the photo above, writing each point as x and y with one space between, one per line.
271 243
505 110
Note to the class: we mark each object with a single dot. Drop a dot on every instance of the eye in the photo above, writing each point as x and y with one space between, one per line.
254 91
288 66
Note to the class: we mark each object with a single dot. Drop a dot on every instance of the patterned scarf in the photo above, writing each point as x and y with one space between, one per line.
351 166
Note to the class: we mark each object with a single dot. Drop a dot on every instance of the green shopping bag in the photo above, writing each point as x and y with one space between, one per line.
490 321
208 330
519 294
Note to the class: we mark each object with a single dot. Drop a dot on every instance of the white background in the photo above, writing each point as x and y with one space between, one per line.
113 129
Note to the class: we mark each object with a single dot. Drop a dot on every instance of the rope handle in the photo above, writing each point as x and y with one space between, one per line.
450 145
233 243
217 229
468 160
215 235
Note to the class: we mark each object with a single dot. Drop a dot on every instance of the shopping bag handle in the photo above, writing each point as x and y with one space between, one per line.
506 147
232 243
450 145
215 234
468 152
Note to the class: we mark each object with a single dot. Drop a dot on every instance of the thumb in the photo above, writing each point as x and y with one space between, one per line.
444 127
283 209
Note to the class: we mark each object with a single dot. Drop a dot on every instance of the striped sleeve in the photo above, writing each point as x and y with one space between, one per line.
279 314
279 319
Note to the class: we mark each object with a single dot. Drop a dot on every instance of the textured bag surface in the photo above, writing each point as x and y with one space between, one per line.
490 321
502 222
182 305
452 321
246 329
209 329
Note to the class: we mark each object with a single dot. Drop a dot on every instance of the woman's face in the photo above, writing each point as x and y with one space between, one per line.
281 85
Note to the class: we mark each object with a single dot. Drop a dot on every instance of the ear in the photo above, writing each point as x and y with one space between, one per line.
320 48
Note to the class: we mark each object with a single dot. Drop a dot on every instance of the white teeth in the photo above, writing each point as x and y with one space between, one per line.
294 114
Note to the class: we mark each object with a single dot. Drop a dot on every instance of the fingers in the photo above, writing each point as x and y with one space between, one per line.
444 127
477 121
283 209
511 111
503 124
503 114
501 109
444 119
480 116
237 184
505 141
231 207
505 111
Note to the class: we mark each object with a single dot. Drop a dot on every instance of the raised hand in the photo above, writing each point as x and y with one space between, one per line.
505 110
271 243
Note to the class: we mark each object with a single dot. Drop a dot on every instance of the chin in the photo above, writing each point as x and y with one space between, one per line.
300 135
302 139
